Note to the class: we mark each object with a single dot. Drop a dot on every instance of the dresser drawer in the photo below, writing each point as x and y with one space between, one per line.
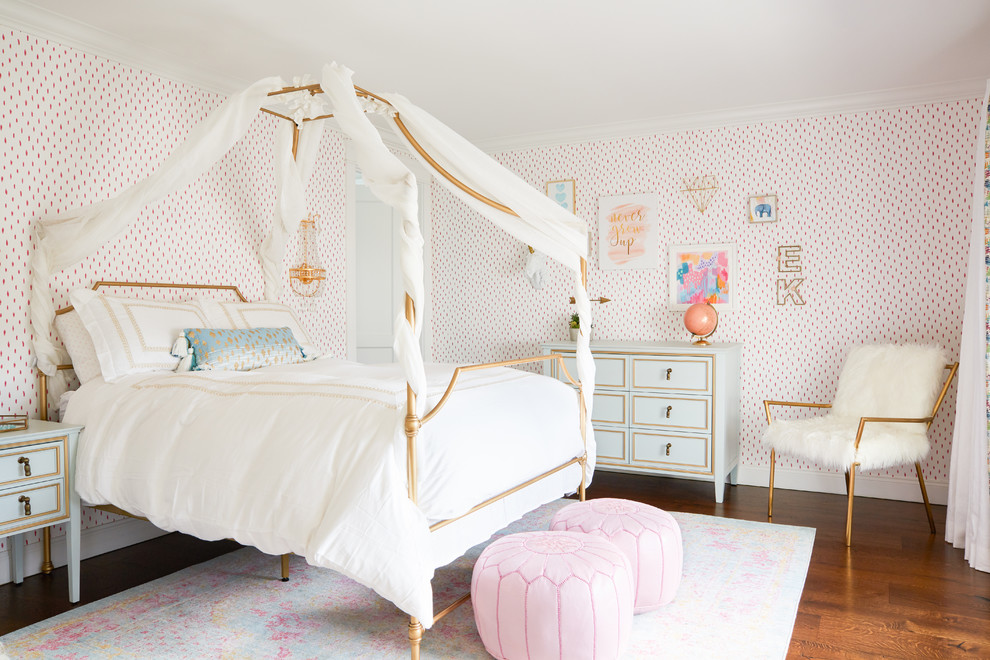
610 371
688 374
672 412
43 461
674 452
611 444
609 408
46 500
682 410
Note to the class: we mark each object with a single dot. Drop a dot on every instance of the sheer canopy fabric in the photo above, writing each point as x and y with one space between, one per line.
394 184
967 520
67 238
539 222
291 175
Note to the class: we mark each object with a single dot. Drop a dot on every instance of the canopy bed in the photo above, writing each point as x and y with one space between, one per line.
457 518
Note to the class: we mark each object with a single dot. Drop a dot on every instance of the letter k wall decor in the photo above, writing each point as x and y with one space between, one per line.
789 261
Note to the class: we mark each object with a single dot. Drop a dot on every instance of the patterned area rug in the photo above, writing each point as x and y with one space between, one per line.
738 598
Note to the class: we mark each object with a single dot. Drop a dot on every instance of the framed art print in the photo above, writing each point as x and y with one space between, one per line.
763 208
563 193
703 273
628 232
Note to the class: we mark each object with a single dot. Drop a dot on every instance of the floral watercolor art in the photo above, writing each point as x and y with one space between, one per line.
701 274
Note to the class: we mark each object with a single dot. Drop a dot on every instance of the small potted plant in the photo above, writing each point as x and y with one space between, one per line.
575 326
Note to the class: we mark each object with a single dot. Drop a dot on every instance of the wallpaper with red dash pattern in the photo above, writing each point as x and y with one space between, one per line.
76 129
878 201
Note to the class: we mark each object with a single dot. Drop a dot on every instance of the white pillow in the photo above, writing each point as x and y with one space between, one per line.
133 336
245 315
79 345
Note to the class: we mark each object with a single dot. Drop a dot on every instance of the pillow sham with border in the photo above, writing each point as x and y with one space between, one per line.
132 335
244 315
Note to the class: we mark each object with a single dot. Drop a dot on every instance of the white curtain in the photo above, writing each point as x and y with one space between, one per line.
65 239
541 222
394 184
291 175
62 240
967 522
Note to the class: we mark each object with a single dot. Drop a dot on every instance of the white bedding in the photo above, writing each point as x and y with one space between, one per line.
310 459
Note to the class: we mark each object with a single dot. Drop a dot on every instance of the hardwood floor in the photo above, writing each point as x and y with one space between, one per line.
899 592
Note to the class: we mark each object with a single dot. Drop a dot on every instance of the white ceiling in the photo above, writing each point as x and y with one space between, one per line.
512 71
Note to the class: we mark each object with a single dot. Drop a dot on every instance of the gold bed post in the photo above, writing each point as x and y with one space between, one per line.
412 426
412 421
584 416
46 534
295 147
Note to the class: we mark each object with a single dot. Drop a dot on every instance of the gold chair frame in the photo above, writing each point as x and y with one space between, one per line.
850 474
412 422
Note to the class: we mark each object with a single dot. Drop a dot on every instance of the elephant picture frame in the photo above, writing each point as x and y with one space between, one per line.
762 208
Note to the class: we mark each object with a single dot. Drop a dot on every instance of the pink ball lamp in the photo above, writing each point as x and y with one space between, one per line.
701 320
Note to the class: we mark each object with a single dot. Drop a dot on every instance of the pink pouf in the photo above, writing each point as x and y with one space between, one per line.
649 537
552 595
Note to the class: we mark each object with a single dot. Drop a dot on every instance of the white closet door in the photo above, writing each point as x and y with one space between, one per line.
376 268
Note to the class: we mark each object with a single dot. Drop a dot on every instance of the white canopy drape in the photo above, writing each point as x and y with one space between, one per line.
67 238
394 184
967 520
538 221
291 175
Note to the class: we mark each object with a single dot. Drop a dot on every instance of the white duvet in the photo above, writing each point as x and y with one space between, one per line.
310 459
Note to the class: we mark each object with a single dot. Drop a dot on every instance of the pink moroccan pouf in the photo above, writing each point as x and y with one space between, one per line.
552 595
649 537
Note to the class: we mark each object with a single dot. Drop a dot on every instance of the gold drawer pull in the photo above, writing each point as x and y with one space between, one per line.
669 445
26 462
669 372
669 408
27 504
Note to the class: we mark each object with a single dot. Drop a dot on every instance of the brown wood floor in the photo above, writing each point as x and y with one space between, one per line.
899 592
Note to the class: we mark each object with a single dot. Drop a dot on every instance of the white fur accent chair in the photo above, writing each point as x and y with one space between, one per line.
886 399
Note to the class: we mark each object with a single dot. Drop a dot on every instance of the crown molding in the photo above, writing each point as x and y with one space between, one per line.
46 24
959 90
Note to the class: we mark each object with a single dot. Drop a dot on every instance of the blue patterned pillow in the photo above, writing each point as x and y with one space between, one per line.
216 349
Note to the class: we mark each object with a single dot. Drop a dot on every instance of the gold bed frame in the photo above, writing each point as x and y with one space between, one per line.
412 426
413 423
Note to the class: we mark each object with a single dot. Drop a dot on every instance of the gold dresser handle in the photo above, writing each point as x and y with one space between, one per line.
26 462
668 372
27 504
669 445
669 408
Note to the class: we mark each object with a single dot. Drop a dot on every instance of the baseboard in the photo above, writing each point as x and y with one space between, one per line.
94 541
887 488
128 531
